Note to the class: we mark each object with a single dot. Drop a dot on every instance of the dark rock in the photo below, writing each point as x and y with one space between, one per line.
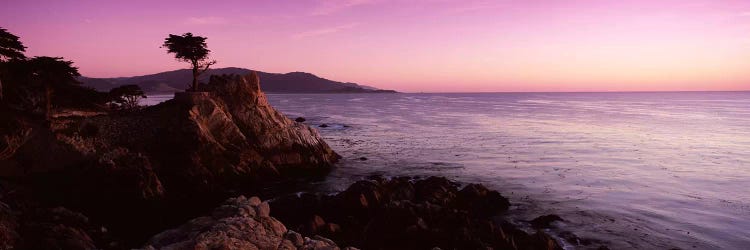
316 223
300 119
573 239
332 228
408 213
58 228
323 125
481 201
545 221
436 190
362 158
360 197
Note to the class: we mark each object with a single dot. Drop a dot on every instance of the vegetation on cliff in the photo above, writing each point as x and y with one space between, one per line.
10 49
192 49
126 97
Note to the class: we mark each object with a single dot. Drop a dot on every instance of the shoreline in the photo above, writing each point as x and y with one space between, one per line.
350 219
99 180
116 179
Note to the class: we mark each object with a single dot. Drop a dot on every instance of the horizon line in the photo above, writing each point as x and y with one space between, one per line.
594 91
517 92
445 92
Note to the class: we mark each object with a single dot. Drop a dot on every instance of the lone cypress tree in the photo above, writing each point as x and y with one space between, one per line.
192 49
10 49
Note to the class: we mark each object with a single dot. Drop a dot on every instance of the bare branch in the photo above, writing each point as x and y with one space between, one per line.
206 65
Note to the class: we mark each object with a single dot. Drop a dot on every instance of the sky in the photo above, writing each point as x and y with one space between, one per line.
412 45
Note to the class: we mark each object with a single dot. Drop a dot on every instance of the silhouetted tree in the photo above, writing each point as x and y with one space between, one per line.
192 49
10 49
52 72
127 96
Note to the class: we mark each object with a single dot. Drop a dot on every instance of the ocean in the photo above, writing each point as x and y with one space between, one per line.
628 170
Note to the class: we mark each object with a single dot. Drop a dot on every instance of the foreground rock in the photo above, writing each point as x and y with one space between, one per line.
406 213
141 172
398 213
240 223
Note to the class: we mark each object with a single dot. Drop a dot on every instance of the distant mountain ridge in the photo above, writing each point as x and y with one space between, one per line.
179 80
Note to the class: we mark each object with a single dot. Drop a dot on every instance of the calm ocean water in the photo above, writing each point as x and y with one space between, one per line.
634 170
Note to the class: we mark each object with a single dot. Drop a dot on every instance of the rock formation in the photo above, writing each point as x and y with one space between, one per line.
239 223
190 153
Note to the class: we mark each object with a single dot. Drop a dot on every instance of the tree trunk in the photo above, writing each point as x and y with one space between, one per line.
195 79
1 86
48 104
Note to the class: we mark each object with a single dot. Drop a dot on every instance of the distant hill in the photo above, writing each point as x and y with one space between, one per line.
179 80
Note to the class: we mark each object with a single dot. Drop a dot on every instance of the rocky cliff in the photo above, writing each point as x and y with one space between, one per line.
140 172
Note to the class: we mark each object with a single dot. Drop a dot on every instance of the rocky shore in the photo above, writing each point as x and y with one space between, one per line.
173 176
397 213
409 213
239 223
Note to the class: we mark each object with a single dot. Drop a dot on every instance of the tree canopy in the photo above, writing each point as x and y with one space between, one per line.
53 70
10 47
187 47
34 85
192 49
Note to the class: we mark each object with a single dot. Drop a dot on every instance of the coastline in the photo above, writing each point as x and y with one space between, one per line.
95 180
94 150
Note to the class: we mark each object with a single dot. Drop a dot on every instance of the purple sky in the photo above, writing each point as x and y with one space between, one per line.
430 45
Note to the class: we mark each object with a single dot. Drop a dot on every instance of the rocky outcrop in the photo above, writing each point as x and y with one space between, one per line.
225 137
407 213
239 223
190 153
210 138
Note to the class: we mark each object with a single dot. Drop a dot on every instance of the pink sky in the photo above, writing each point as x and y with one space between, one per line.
411 45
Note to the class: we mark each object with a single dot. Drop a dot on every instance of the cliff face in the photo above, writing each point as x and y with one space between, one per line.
227 135
223 137
283 143
164 164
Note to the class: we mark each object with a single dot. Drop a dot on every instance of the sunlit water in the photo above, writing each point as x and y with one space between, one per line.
635 170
